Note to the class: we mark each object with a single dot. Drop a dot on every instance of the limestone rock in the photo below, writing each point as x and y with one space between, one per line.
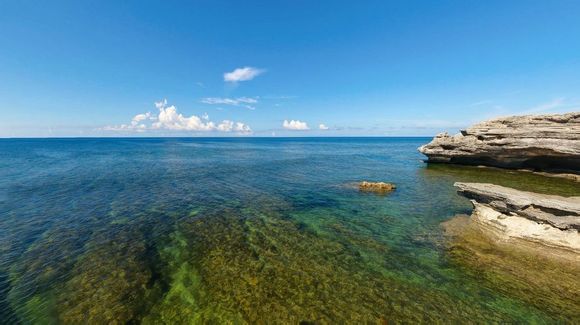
539 142
377 187
550 220
560 212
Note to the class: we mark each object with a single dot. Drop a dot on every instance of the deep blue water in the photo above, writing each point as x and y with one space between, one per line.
237 230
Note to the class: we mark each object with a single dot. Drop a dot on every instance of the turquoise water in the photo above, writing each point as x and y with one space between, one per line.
244 230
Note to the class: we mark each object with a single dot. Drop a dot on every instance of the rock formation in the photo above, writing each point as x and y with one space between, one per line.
538 142
377 187
550 220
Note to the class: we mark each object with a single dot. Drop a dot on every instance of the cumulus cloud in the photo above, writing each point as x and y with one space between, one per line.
137 119
323 127
295 125
137 123
161 104
228 126
243 74
169 118
240 101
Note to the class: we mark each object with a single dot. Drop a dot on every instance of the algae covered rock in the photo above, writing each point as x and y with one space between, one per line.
376 187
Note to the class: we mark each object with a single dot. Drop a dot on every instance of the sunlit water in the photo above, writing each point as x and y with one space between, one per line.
242 230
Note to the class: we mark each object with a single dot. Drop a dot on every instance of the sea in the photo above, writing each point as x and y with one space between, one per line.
253 230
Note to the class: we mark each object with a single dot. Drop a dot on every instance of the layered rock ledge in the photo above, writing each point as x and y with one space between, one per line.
537 142
550 220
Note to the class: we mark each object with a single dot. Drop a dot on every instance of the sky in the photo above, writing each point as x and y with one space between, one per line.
281 68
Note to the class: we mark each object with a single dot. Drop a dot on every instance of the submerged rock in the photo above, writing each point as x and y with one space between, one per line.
524 244
377 187
549 220
538 142
538 275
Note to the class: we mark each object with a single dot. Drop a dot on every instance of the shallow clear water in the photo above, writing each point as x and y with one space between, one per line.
242 230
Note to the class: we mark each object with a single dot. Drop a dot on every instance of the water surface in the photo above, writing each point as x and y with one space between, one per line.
243 230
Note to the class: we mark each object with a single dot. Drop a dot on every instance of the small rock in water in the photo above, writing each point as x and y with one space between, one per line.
378 187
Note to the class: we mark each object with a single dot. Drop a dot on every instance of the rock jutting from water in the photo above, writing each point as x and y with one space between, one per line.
377 187
549 220
537 142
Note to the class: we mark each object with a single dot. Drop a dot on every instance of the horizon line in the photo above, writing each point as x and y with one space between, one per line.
216 137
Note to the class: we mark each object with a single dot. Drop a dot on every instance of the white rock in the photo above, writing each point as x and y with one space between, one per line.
550 220
510 227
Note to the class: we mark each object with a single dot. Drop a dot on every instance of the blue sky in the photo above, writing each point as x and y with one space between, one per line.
98 68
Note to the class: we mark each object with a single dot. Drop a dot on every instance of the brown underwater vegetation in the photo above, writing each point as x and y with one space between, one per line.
252 264
539 275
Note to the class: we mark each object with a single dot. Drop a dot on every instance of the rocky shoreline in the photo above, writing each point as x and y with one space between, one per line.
536 142
548 145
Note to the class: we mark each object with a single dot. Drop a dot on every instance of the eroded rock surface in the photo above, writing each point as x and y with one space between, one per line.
550 220
539 142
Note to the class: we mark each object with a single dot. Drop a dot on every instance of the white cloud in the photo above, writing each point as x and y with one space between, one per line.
169 119
229 101
228 126
243 74
240 101
323 127
248 100
161 104
295 125
141 117
126 127
135 124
